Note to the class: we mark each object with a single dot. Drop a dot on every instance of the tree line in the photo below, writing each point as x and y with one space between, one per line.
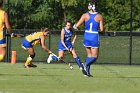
34 14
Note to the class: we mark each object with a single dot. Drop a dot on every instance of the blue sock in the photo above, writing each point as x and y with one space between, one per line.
87 66
55 58
77 60
89 61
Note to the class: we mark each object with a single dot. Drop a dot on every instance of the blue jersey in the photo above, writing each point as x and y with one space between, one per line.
67 40
91 35
67 35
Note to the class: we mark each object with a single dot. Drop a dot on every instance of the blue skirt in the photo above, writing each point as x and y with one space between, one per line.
26 44
91 40
62 48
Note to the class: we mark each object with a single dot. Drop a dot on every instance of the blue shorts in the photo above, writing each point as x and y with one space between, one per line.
62 48
2 39
91 40
26 44
3 42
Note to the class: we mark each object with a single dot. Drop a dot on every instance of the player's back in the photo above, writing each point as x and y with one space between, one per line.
1 20
91 25
34 36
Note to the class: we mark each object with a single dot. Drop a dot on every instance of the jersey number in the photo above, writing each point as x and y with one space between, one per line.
91 25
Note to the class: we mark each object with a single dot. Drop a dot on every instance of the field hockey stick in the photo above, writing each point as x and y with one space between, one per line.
70 65
61 60
15 35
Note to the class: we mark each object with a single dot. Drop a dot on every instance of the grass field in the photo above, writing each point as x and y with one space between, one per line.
58 78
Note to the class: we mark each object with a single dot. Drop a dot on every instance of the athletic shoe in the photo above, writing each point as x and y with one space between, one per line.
26 66
83 69
32 65
29 66
49 59
89 75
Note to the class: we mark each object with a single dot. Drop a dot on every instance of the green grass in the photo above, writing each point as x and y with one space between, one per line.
58 78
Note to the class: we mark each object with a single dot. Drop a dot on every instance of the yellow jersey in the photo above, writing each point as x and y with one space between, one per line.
1 23
1 20
34 38
2 37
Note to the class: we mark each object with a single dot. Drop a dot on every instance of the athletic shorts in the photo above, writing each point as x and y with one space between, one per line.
2 39
91 40
62 48
26 44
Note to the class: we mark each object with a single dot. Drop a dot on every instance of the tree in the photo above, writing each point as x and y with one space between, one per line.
54 13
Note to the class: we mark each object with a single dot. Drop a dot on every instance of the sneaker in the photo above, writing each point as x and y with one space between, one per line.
89 75
29 66
32 65
26 66
49 59
83 69
84 72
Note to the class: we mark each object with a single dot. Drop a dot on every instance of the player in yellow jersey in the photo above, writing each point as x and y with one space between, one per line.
3 22
32 40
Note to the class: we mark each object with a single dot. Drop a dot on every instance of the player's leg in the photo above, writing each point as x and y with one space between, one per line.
61 50
87 60
77 59
2 53
61 54
79 63
52 57
2 46
28 62
92 54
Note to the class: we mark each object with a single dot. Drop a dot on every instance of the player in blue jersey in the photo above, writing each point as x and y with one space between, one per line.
92 20
65 44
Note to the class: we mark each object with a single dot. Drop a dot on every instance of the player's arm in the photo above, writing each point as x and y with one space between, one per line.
62 39
101 21
74 38
81 21
43 44
7 22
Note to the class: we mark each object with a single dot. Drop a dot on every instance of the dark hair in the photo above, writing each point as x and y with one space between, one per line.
93 1
69 21
1 3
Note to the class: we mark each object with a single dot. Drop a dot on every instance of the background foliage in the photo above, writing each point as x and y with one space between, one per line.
32 14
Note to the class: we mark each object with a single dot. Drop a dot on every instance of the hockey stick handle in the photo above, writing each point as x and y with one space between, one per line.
15 35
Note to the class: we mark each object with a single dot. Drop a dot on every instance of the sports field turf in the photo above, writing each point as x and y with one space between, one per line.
58 78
